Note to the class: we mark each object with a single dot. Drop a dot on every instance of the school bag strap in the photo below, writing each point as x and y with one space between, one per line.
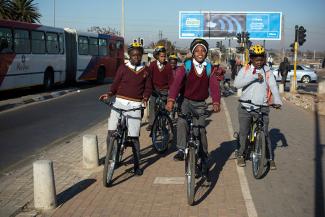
188 67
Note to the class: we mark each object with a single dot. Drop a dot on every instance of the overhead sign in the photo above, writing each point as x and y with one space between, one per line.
219 25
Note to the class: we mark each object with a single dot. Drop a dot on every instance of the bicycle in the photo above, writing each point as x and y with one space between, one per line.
118 142
193 151
255 147
162 131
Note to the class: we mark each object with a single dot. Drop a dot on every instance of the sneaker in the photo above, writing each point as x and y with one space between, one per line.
272 165
241 161
179 156
138 172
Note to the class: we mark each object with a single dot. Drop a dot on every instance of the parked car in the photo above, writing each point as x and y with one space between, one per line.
304 74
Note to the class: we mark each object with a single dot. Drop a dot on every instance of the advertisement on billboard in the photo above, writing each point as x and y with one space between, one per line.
220 25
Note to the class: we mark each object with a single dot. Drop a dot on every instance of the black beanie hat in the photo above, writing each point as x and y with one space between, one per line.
198 41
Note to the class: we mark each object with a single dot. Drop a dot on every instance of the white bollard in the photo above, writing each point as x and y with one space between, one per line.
44 185
281 88
321 87
90 151
239 92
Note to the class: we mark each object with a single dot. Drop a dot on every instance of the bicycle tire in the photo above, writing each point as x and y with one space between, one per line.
110 162
258 156
162 132
190 175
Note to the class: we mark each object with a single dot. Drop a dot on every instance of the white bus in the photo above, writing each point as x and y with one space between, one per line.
33 54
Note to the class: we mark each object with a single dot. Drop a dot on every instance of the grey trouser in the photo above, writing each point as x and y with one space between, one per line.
245 118
152 105
284 78
182 127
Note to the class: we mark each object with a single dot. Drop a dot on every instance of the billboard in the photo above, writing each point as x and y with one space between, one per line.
219 25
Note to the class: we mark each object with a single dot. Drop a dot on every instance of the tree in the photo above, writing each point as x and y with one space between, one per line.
104 30
166 43
5 12
25 10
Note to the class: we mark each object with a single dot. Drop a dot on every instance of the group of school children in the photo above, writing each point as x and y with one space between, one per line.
194 81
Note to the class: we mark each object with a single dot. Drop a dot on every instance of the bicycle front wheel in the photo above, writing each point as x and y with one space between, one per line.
190 175
110 162
258 155
162 133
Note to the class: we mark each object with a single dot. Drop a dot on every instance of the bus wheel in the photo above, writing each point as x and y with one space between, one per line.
100 75
48 79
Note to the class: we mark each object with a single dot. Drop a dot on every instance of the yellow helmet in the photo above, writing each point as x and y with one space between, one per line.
172 57
257 50
135 45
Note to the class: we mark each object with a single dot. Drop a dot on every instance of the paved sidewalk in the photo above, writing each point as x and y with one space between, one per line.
81 193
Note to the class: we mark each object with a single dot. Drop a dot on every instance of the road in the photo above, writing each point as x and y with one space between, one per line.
26 131
298 140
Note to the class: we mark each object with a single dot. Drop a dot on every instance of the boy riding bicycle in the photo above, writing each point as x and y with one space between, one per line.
259 86
132 87
198 79
162 77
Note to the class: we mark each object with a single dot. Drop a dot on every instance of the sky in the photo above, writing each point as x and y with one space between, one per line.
146 18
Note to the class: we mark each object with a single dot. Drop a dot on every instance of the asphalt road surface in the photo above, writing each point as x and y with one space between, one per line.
26 131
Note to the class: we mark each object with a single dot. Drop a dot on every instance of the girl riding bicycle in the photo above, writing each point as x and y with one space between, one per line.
162 77
259 86
198 79
132 87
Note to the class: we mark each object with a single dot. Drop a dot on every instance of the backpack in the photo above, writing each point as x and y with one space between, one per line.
268 89
188 67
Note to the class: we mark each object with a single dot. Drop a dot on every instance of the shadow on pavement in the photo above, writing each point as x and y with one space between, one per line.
69 193
217 160
148 157
319 187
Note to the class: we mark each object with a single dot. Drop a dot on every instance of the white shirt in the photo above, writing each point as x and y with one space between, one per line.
133 67
160 65
199 67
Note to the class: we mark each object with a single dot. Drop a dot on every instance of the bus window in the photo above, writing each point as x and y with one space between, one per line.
103 47
52 43
112 49
38 42
5 40
83 45
93 46
61 43
21 42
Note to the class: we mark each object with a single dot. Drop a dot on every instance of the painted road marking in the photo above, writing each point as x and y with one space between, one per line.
251 211
169 180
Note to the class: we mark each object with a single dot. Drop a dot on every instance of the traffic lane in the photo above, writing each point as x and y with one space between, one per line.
25 131
289 190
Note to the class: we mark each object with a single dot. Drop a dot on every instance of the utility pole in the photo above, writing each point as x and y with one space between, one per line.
295 49
54 14
122 21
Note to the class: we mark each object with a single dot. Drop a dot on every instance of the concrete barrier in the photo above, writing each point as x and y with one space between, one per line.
239 92
281 88
44 185
321 87
293 85
90 151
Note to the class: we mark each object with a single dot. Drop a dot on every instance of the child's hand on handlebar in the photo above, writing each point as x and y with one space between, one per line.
216 107
105 96
169 105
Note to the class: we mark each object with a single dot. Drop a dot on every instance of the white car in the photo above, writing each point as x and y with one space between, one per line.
304 74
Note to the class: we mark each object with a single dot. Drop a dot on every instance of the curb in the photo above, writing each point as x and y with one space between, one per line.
26 100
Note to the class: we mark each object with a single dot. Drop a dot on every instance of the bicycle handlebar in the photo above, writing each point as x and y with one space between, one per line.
109 103
250 102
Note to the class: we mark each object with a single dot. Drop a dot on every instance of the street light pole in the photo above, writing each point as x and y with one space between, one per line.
122 21
54 14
